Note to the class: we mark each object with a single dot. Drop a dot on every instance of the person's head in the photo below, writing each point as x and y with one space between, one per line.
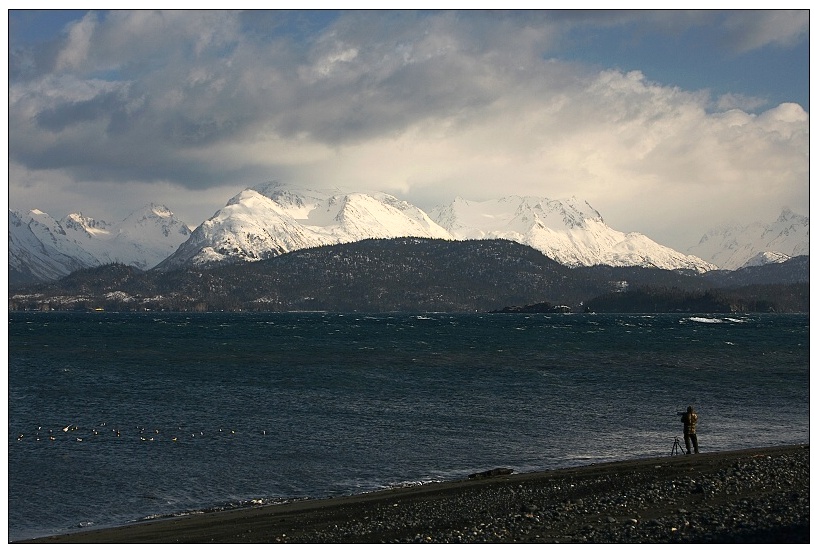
689 409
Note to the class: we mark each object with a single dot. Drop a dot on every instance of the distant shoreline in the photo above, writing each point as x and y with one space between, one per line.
753 495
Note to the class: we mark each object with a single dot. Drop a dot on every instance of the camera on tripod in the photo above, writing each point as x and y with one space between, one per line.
677 448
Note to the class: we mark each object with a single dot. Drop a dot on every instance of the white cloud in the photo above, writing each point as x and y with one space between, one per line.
427 107
78 45
731 101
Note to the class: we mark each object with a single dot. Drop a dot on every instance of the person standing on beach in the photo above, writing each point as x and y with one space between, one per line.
690 419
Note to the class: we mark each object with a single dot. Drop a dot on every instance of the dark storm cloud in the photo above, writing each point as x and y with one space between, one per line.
371 75
106 105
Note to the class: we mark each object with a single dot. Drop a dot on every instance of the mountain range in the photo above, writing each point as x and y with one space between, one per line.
270 219
44 249
569 231
735 246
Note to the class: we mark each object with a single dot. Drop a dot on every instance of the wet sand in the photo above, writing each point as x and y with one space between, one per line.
750 496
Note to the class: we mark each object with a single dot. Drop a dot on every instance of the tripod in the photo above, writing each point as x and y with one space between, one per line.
677 447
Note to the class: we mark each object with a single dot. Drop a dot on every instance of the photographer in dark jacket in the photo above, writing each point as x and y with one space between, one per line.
690 419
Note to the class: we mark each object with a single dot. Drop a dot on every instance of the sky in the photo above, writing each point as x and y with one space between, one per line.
669 123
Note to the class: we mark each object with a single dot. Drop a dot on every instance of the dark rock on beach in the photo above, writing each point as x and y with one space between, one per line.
749 496
490 473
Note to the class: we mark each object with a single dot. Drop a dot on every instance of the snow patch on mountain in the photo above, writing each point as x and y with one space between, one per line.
763 258
734 246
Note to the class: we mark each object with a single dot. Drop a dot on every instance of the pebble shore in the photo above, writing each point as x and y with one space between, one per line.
750 496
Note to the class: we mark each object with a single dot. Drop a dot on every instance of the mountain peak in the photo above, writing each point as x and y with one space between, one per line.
763 258
734 246
270 219
787 215
160 210
46 249
569 231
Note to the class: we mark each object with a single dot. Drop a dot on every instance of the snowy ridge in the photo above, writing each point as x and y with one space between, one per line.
274 218
250 227
734 246
33 258
763 258
43 248
569 231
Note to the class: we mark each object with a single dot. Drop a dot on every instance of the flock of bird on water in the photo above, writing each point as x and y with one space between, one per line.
144 434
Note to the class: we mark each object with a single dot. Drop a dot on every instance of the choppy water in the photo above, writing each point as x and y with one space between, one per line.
156 414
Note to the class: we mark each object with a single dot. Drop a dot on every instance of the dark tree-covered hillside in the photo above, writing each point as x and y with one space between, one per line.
750 298
406 274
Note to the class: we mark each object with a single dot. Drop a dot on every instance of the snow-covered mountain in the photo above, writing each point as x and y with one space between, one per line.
31 259
274 218
570 231
734 246
763 258
42 248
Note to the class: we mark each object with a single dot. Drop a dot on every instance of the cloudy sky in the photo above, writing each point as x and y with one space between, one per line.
668 123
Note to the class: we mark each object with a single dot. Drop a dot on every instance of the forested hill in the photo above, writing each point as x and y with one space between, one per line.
374 275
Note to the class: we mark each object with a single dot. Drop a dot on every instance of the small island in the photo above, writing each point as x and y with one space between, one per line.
537 308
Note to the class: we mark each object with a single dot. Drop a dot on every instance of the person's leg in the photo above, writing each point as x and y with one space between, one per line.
694 438
687 442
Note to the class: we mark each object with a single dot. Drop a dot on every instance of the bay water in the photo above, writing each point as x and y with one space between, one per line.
115 418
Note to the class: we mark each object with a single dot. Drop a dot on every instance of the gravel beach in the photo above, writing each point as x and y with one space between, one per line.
750 496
